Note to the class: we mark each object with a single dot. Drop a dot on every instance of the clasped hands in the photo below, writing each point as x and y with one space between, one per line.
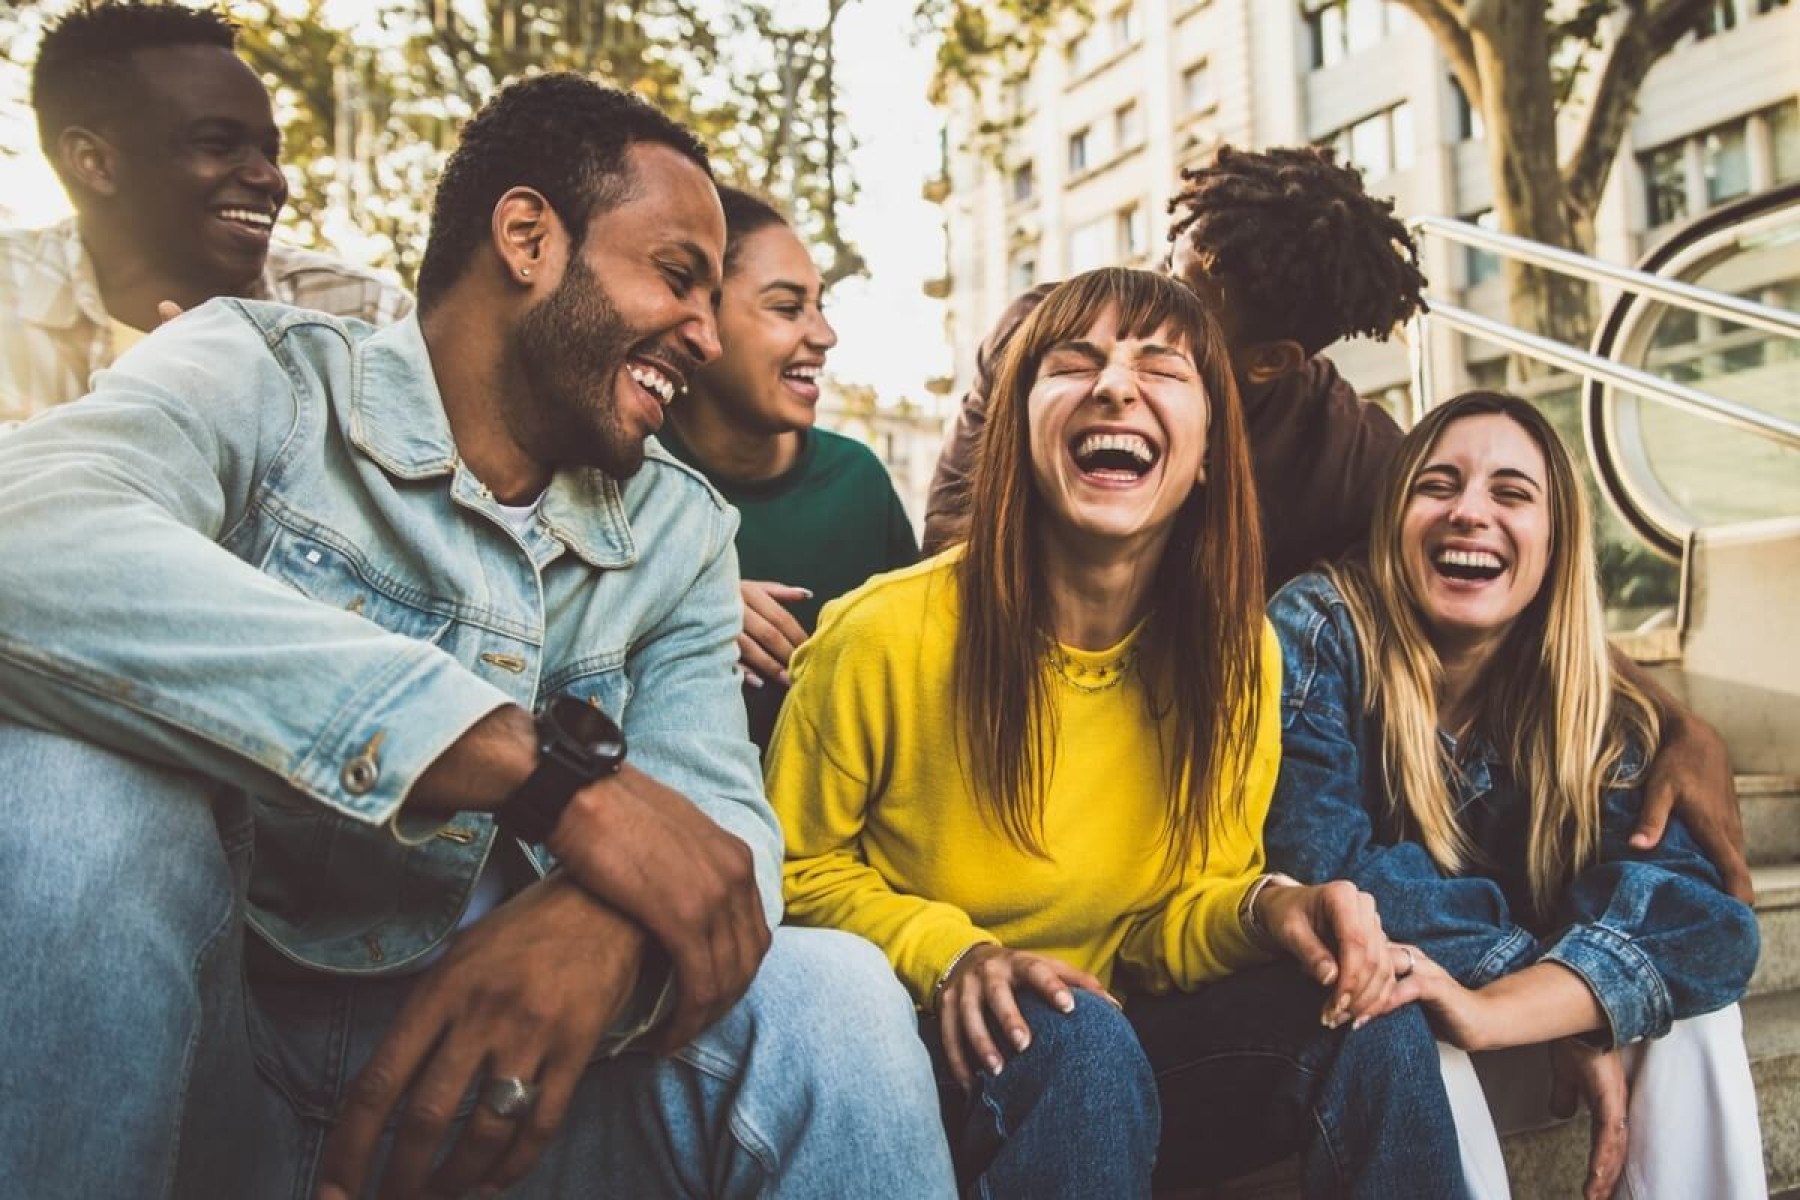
528 991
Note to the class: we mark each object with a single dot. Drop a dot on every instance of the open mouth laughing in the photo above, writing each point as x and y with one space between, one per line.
1467 566
1113 457
662 384
259 222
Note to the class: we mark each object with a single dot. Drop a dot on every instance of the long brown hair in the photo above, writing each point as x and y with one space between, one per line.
1551 702
1202 643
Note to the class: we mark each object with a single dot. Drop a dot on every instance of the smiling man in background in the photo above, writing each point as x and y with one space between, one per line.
166 144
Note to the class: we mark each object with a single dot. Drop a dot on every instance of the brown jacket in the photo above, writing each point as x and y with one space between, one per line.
1318 450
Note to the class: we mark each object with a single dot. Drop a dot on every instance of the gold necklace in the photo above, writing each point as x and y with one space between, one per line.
1093 677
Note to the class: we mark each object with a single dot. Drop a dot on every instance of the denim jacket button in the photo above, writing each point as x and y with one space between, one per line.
360 774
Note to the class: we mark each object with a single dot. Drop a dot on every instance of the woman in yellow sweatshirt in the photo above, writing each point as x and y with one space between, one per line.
1035 768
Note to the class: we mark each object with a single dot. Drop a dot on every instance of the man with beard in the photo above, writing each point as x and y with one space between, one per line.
167 147
301 896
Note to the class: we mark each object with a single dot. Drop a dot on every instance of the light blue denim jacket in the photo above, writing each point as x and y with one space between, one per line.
252 551
1651 932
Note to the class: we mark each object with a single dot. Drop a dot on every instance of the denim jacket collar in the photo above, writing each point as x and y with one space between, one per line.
398 421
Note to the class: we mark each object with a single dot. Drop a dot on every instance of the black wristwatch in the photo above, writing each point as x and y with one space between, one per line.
577 744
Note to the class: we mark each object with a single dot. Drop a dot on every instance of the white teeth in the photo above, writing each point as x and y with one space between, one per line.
1469 558
810 374
248 217
653 381
1133 444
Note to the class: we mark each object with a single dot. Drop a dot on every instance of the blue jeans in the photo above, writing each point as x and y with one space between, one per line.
1194 1088
139 1062
1247 1076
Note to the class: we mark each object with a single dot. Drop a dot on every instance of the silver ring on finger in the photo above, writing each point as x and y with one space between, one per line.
1407 969
508 1096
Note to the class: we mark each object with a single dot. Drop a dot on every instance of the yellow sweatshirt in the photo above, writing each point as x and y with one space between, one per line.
884 837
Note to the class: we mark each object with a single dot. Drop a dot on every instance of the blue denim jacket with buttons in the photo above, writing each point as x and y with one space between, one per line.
1650 931
252 551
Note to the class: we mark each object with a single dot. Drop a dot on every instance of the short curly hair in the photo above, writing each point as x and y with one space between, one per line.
1309 254
84 56
562 135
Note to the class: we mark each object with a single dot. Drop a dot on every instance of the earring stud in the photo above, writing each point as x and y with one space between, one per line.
524 272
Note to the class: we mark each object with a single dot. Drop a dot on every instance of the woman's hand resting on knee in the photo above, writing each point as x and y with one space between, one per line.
1597 1078
980 989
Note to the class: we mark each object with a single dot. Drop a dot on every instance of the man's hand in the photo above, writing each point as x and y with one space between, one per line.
1597 1077
1691 775
647 851
527 991
1335 933
771 635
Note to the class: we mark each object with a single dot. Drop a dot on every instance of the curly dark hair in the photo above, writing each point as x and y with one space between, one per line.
84 56
562 135
1309 254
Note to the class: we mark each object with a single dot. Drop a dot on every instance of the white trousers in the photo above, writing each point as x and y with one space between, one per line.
1692 1120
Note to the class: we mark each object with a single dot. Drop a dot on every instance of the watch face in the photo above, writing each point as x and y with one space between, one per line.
587 728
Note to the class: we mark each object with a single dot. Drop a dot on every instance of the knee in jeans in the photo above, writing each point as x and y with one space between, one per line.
1093 1051
1402 1038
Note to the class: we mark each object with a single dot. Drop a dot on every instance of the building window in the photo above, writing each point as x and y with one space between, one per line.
1087 51
1088 246
1078 151
1468 118
1665 183
1125 27
1021 273
1340 28
1480 265
1197 88
1128 126
1325 29
1400 127
1725 161
1133 233
1379 144
1717 19
1784 141
1023 183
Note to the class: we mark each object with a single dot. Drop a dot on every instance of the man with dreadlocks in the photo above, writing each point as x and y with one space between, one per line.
1293 254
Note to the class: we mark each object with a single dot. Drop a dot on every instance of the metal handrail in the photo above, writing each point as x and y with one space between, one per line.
1581 266
1592 366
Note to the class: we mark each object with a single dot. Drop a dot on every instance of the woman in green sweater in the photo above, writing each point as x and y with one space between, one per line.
1034 770
818 513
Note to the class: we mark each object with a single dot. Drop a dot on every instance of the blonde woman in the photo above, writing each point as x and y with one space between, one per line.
1455 742
1036 769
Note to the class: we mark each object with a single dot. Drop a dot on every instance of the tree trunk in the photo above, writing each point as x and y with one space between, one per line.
1511 43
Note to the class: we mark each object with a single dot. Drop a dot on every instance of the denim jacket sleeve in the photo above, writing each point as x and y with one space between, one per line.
1652 932
129 624
685 724
1328 821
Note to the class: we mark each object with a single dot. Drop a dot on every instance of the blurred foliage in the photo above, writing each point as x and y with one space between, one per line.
370 97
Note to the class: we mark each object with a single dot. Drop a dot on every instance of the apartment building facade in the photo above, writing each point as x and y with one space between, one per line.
1072 164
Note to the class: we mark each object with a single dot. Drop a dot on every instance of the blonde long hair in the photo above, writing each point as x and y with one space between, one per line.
1202 642
1551 702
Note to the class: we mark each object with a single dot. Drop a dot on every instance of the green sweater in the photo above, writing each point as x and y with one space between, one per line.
826 524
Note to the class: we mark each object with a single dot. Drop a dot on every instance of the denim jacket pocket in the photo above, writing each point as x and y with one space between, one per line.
321 569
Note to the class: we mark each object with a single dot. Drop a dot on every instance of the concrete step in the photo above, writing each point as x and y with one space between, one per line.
1778 918
1553 1161
1771 808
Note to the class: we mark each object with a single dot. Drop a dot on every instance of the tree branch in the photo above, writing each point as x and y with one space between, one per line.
1644 36
1444 20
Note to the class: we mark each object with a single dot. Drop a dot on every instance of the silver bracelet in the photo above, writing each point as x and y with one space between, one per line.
1254 929
943 980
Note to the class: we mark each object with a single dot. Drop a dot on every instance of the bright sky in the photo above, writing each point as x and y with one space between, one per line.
891 335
